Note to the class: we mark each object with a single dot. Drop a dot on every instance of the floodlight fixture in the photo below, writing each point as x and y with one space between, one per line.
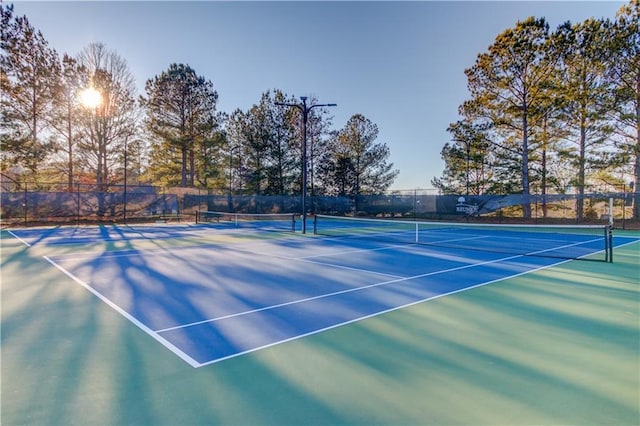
305 109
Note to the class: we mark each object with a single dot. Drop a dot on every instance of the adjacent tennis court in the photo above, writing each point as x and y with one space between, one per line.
229 288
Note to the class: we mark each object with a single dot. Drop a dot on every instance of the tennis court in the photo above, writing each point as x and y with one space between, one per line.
224 290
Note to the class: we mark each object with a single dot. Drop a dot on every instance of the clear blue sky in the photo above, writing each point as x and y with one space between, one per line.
400 64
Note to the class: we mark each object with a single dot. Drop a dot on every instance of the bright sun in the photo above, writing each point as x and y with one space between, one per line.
90 97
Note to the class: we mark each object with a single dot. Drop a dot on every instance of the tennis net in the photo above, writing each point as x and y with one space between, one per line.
558 241
265 221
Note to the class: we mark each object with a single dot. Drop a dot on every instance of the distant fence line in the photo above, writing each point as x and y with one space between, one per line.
85 203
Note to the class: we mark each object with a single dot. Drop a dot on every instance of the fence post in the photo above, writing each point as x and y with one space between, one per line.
624 204
24 204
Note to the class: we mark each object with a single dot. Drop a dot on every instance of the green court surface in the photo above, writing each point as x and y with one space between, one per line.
557 346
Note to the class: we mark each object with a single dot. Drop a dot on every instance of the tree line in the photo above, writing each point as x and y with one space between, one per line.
551 110
548 110
172 135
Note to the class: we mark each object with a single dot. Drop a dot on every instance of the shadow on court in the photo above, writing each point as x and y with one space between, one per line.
555 346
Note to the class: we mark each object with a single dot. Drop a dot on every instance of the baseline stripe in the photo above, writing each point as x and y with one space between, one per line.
19 239
128 316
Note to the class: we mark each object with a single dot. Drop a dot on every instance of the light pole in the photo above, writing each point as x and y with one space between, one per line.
305 109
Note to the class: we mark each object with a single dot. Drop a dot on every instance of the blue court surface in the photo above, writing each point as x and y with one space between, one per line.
228 292
99 234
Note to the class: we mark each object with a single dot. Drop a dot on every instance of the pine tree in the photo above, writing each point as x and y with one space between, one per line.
505 85
29 69
585 99
623 71
65 119
255 148
468 168
359 164
181 112
548 127
282 162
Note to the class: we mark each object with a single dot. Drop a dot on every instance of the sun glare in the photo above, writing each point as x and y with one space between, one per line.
90 97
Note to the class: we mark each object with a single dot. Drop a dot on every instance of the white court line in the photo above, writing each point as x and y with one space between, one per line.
335 293
436 243
122 233
135 252
408 234
339 253
128 316
348 268
155 334
19 239
305 259
401 279
383 312
560 262
452 240
375 314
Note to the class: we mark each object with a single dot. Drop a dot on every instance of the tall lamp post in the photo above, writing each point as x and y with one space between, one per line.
305 109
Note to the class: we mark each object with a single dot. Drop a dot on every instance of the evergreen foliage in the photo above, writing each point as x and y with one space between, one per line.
548 110
553 110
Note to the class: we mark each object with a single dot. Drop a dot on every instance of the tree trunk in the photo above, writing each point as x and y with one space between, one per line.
636 196
70 150
526 206
183 180
581 175
543 184
192 166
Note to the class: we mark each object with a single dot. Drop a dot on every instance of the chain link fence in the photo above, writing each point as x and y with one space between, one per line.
23 203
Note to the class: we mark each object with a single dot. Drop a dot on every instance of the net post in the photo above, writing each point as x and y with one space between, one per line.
315 224
197 216
610 229
606 245
417 233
